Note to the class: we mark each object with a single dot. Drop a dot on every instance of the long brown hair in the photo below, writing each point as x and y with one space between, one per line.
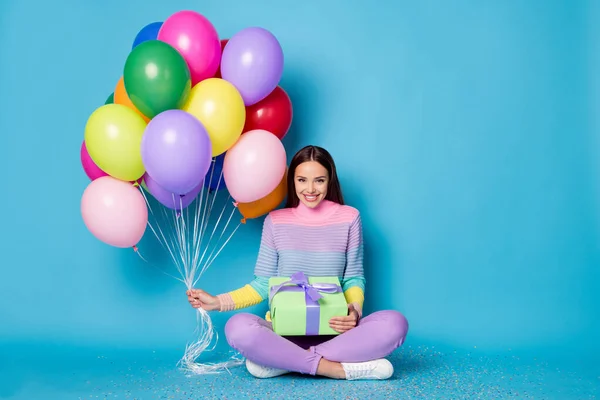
322 156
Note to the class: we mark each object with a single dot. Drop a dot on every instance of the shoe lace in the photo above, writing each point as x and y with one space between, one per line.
362 369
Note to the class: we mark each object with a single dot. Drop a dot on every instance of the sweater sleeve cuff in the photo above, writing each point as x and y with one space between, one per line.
358 309
226 301
355 295
240 298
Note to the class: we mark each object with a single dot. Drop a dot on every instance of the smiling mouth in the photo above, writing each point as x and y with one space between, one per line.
311 197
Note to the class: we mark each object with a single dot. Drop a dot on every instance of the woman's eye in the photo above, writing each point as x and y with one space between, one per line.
321 181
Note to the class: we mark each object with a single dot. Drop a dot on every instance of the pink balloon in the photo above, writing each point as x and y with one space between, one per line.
254 166
195 37
114 211
89 166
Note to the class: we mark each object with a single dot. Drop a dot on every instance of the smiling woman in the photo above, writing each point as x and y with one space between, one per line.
315 178
318 235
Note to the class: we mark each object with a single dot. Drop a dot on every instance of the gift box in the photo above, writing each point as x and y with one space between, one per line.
303 306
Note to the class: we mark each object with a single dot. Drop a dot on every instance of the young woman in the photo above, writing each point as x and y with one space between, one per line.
316 234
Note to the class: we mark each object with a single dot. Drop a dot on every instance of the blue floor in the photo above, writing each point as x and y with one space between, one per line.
66 372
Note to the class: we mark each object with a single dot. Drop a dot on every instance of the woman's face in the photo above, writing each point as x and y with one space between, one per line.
311 180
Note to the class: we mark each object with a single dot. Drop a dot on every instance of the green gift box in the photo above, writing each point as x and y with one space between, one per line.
301 306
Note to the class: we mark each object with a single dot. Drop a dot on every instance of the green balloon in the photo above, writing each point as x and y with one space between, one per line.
156 78
110 99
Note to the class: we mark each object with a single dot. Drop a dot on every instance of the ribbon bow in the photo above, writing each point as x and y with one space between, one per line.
300 283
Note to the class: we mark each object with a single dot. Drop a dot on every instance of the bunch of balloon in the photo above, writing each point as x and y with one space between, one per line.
191 116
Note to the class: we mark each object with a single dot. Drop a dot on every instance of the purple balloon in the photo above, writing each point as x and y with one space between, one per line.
252 61
171 200
176 151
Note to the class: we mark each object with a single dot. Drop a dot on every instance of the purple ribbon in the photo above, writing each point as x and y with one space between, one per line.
312 294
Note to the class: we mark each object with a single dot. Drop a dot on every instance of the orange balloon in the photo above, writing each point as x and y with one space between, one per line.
121 97
265 205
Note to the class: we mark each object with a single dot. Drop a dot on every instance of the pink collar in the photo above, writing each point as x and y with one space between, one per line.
321 212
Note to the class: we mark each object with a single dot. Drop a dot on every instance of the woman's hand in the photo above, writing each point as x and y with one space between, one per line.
344 324
198 298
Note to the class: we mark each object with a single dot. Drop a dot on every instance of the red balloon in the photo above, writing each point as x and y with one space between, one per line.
273 113
223 43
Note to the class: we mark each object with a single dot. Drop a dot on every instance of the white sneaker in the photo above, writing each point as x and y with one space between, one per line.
376 369
260 371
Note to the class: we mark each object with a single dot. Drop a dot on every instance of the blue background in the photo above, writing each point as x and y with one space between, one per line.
465 132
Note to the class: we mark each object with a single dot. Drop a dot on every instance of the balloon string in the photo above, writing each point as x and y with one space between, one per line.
173 239
205 217
179 225
221 249
211 258
204 226
215 196
217 223
222 233
164 243
204 323
153 265
185 244
197 222
199 227
212 171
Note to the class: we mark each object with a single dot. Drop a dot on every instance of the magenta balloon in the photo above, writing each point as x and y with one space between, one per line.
176 151
196 39
89 166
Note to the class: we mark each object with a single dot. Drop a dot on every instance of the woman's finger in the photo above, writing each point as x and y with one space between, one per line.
343 325
344 321
338 329
341 329
349 324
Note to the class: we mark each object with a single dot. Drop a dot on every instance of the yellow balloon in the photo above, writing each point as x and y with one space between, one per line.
220 108
113 137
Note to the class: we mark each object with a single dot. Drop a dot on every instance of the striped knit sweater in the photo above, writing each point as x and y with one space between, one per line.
324 241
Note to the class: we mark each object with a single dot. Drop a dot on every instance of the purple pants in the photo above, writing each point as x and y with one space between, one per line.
376 336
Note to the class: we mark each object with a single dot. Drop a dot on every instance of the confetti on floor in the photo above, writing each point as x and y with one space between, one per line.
421 373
